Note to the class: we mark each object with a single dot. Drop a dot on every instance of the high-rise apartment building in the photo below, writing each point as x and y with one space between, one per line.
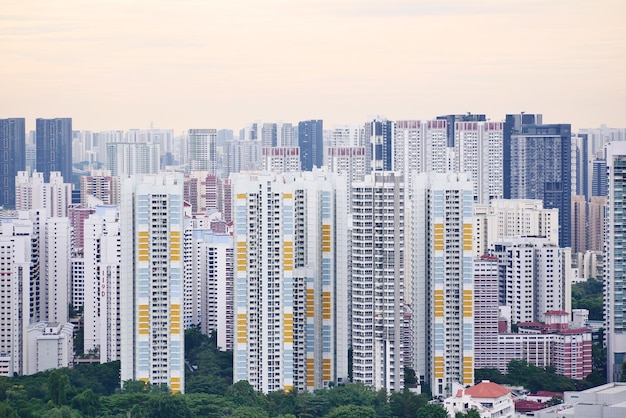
99 184
486 307
540 167
12 158
52 197
57 268
347 162
597 217
377 277
290 282
281 159
451 126
346 136
441 276
420 146
379 144
311 143
242 155
614 261
15 269
54 147
209 284
599 179
505 218
129 158
203 150
579 224
478 152
533 277
151 280
102 261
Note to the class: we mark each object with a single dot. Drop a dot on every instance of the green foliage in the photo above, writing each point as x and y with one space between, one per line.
588 295
6 411
58 384
352 411
87 402
406 404
432 411
166 406
410 378
249 412
493 375
534 378
212 368
471 413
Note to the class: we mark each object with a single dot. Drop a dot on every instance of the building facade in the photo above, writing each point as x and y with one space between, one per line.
12 157
54 147
377 305
288 279
615 259
151 280
442 279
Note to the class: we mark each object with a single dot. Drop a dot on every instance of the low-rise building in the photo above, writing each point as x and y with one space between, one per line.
491 400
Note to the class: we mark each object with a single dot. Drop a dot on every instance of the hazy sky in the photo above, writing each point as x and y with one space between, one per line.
120 64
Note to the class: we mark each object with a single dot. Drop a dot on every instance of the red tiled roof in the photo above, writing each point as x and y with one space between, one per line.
524 405
557 313
486 389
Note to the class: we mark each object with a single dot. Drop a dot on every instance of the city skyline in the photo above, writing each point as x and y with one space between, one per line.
119 65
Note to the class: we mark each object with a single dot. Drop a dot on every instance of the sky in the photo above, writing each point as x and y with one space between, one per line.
121 64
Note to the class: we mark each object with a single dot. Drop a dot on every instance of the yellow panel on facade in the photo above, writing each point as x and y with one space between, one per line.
288 328
439 367
287 195
144 379
242 328
310 303
241 195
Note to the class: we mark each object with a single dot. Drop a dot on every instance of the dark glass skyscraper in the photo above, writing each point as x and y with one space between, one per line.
54 147
12 158
379 143
540 167
311 142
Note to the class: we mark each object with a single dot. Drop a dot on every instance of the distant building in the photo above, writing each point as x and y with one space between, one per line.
311 143
53 197
54 147
540 167
203 150
130 158
505 218
13 160
281 159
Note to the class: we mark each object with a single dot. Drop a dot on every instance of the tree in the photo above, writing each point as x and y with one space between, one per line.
249 412
432 411
166 406
6 411
493 375
134 386
58 383
86 402
471 413
405 404
352 411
